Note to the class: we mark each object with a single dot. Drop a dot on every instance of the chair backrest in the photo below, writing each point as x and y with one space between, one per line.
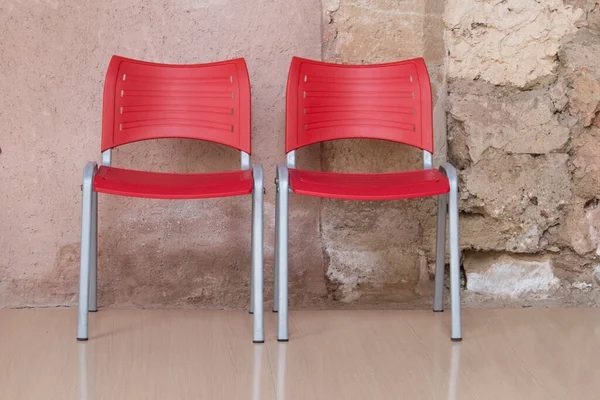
386 101
144 101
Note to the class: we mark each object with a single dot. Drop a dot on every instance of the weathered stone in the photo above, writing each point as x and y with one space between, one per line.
531 191
484 233
593 16
507 276
495 118
510 42
596 275
580 58
585 164
370 244
575 231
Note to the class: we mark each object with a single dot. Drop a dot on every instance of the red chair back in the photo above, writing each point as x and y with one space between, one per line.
144 101
331 101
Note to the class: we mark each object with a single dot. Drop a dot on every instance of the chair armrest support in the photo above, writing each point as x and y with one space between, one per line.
259 177
89 171
450 171
282 179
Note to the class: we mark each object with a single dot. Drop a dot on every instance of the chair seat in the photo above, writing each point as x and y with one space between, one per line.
160 185
388 186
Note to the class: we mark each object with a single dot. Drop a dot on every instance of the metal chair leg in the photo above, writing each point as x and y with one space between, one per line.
93 295
86 247
450 172
276 264
257 254
440 253
252 245
282 248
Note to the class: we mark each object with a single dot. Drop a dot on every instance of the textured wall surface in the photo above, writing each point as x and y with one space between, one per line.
517 109
523 109
53 57
379 251
510 42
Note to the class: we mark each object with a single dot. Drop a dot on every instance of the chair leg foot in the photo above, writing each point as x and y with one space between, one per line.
283 340
457 339
82 339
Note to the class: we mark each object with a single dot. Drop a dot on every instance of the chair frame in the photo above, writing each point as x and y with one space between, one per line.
88 278
447 209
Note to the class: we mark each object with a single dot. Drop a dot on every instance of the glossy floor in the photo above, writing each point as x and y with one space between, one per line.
506 354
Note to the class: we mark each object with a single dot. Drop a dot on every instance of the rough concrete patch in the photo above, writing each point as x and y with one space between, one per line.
575 230
494 118
582 285
380 270
580 60
510 42
596 275
365 32
506 276
585 163
593 17
529 191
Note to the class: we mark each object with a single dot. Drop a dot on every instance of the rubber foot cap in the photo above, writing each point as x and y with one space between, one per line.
283 340
275 311
82 339
258 341
457 340
93 310
250 312
438 310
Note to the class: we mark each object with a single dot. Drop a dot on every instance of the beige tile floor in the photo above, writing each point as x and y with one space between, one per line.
506 354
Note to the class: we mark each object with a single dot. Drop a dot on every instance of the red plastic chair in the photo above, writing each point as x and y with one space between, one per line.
389 102
144 101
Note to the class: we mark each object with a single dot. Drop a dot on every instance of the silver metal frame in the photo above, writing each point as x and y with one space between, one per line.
447 207
291 159
427 160
88 259
107 157
256 292
244 161
281 252
452 211
88 276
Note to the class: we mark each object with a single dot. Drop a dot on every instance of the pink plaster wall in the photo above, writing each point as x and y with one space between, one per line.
53 56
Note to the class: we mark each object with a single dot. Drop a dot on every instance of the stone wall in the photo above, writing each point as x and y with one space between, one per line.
523 128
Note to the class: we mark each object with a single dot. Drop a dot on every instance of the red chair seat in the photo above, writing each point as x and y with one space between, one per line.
388 186
160 185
